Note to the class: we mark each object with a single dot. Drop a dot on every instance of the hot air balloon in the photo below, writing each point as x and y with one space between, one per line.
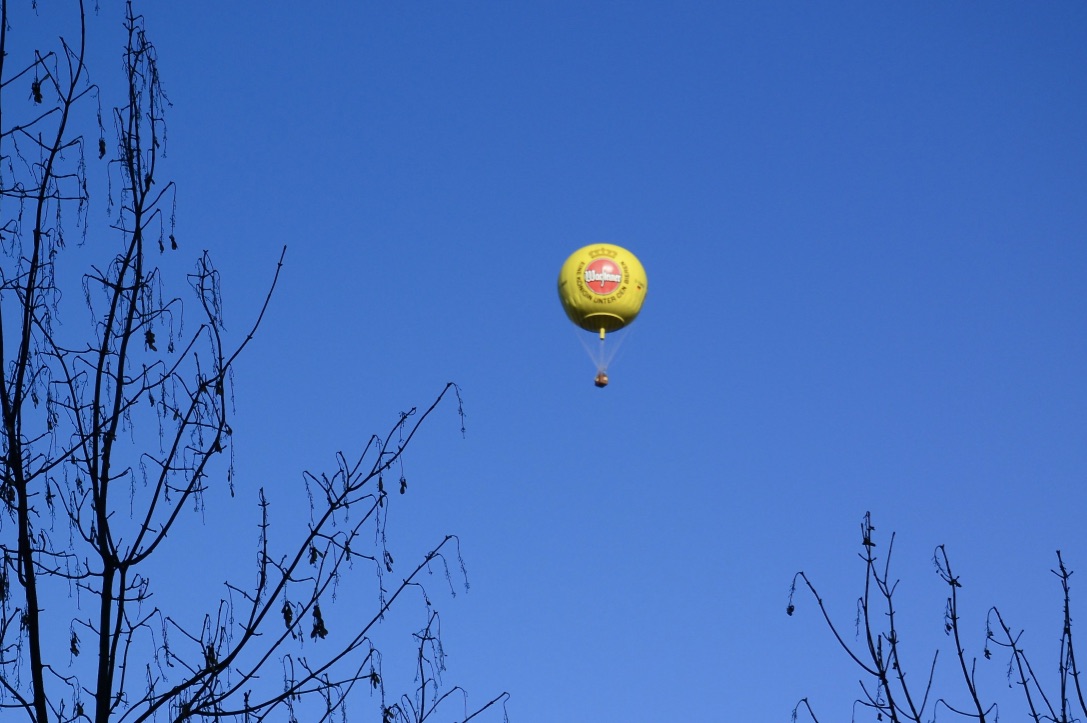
602 287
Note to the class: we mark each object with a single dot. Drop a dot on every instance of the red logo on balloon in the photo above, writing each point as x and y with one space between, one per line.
603 276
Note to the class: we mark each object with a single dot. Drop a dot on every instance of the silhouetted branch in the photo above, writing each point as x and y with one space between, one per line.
110 434
888 693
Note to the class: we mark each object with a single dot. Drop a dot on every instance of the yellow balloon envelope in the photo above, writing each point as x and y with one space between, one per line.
602 287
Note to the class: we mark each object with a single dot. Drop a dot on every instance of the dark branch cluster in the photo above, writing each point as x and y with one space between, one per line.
112 433
888 689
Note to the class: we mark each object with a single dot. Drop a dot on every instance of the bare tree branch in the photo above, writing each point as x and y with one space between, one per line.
888 692
111 434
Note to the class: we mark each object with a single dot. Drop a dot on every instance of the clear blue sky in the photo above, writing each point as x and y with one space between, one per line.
865 231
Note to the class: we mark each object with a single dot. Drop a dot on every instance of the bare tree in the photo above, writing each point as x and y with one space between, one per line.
114 432
890 689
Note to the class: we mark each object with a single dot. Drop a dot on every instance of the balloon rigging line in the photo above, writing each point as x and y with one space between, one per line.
593 353
619 338
603 352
